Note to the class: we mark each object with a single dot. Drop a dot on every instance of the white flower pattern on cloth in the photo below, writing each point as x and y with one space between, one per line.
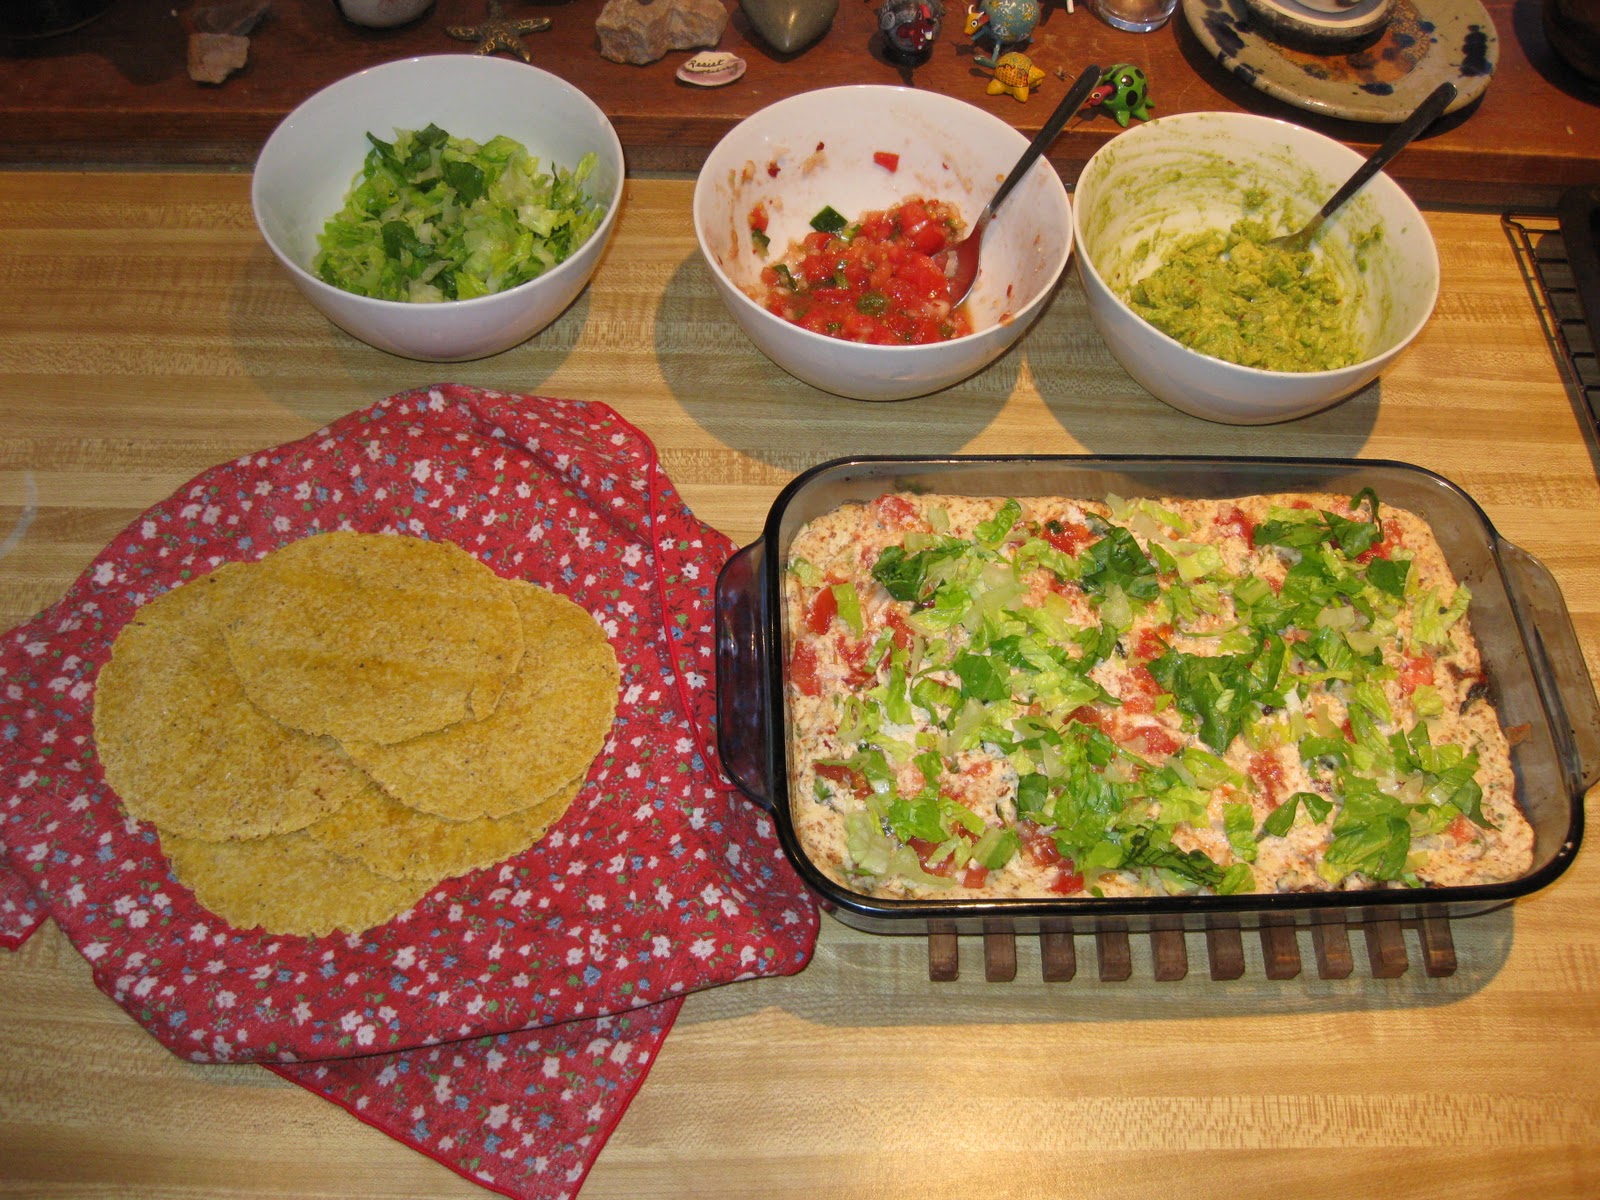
661 880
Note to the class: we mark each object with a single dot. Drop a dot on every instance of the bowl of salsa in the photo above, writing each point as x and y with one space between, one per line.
823 217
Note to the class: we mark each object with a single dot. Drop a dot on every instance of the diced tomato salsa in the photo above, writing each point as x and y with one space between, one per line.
874 281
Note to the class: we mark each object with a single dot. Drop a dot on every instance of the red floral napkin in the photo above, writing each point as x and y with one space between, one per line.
502 1025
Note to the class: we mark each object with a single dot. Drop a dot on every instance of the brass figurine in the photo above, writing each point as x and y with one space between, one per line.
499 32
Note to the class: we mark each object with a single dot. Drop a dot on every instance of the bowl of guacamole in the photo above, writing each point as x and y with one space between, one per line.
1174 220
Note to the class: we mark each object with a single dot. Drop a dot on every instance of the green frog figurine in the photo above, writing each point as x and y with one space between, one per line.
1123 92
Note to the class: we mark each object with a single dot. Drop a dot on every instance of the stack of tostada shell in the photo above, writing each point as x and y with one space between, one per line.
323 735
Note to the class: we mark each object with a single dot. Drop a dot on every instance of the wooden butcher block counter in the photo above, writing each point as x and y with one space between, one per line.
149 335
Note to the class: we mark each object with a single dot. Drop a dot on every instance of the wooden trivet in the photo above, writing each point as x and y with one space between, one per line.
1387 956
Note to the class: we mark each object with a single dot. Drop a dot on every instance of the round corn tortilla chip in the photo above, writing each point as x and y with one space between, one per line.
549 725
373 636
183 747
288 884
401 843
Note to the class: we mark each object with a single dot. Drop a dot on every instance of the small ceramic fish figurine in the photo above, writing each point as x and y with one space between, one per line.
910 28
1001 23
1015 75
1124 92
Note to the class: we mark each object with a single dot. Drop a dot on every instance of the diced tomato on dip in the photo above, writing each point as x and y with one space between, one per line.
1141 686
873 281
896 512
1233 519
1041 848
803 668
853 653
1415 671
1149 645
1461 830
822 611
971 875
1156 740
902 633
974 875
886 160
852 779
1267 770
1393 537
1069 537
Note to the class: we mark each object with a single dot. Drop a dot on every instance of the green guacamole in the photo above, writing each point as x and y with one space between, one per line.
1231 296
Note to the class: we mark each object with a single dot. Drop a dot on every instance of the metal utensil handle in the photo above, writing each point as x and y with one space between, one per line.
1404 133
1070 104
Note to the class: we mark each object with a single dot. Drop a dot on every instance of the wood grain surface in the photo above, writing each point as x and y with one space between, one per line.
148 334
117 90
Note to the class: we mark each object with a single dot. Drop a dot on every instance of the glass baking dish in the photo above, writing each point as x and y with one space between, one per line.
1536 672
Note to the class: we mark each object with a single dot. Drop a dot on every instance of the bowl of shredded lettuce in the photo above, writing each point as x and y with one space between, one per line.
441 208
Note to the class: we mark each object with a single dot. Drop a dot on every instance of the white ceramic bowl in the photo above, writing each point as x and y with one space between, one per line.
309 162
816 149
1175 175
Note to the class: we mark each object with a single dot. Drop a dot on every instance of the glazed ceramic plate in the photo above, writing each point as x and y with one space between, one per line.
1425 43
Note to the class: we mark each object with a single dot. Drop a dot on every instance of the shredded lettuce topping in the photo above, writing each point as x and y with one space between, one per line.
987 672
433 217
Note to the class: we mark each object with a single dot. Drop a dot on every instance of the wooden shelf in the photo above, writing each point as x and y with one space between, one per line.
117 92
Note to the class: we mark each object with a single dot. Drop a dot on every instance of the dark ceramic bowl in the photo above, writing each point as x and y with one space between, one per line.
45 18
1573 27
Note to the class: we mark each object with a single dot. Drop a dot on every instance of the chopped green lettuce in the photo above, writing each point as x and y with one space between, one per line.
1002 664
433 217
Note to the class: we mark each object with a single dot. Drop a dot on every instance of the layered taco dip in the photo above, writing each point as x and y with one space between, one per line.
1039 697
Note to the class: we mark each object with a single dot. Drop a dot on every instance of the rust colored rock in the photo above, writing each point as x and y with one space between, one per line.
641 31
215 56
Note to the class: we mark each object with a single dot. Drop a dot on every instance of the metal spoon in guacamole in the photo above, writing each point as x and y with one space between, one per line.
1404 134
